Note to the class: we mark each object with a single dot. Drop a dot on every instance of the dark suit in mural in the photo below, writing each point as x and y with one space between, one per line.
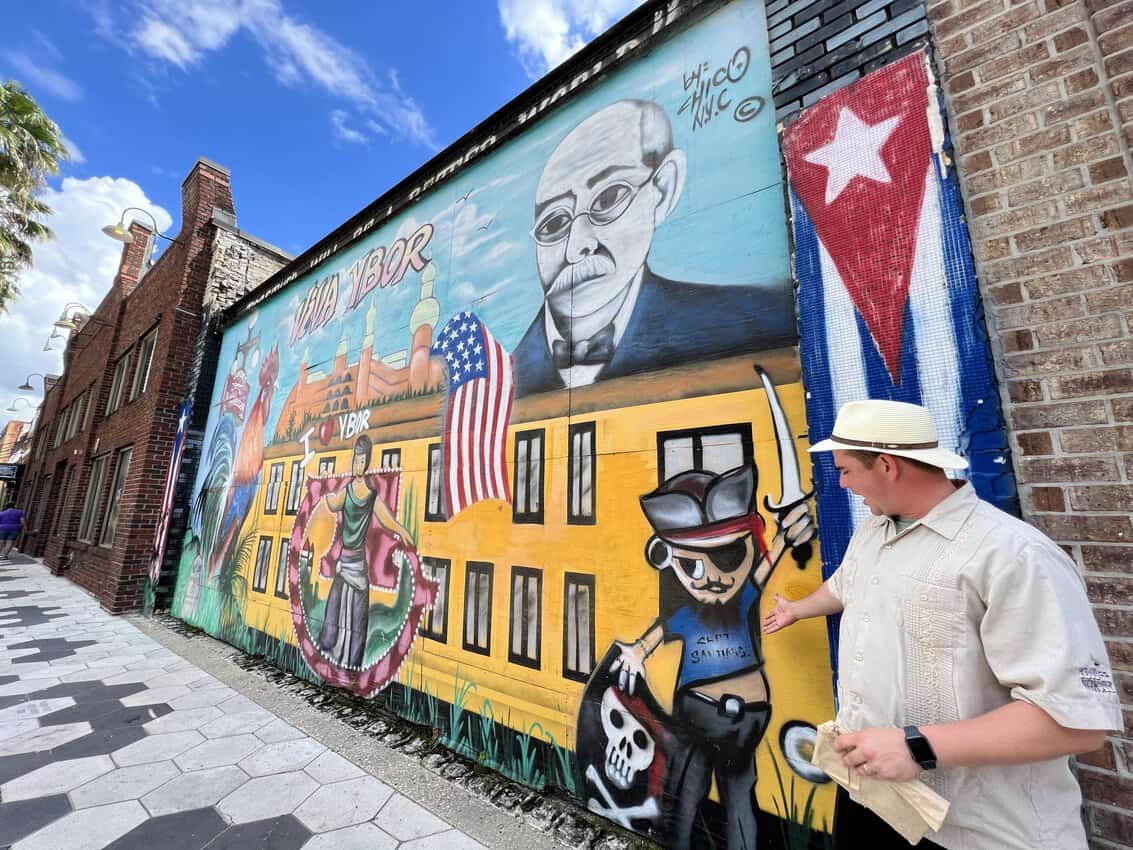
672 324
603 192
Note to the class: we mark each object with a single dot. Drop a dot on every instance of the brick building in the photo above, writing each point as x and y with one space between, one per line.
10 436
94 482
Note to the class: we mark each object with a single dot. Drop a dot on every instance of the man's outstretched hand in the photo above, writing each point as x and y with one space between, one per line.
779 617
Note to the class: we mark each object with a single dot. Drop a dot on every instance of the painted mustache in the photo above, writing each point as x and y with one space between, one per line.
713 586
588 268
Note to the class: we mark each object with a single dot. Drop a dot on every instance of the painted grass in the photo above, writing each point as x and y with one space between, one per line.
796 824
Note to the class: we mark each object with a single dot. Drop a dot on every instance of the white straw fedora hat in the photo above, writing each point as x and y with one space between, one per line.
893 427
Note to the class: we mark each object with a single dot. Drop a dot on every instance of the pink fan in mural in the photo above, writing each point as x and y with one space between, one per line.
476 417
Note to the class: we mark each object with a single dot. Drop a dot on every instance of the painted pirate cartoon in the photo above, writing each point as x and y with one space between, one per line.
707 531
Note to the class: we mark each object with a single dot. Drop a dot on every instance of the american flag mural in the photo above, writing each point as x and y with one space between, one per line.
888 302
477 414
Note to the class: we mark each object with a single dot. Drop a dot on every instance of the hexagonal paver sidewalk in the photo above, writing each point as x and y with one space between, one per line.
115 742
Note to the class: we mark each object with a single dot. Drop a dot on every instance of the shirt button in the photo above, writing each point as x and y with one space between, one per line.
857 699
865 618
858 656
875 580
924 597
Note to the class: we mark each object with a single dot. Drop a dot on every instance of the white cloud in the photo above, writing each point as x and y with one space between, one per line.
162 41
39 78
183 32
548 31
78 265
343 132
73 152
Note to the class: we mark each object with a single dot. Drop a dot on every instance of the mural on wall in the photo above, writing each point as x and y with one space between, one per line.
346 639
436 459
882 250
707 533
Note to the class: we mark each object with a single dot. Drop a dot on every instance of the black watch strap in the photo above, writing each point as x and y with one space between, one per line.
919 747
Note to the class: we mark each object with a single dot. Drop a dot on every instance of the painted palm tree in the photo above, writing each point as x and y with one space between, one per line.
31 148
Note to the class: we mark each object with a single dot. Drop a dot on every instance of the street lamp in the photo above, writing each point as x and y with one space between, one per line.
76 319
55 335
12 407
121 231
26 385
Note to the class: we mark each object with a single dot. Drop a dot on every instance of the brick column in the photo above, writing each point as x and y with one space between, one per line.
1040 101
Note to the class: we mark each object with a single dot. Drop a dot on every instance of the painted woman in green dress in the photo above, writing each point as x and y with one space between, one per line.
346 621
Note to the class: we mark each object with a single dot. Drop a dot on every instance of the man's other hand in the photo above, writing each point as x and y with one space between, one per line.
878 754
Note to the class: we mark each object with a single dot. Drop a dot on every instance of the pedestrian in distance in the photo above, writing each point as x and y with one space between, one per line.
968 655
11 524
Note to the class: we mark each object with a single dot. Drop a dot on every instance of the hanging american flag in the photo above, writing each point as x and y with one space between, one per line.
166 512
888 304
477 415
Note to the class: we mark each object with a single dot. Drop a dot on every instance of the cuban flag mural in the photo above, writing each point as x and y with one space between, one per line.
888 302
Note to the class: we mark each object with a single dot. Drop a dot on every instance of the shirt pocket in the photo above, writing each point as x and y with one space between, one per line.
930 613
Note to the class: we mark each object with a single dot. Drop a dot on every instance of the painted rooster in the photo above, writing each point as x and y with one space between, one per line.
247 467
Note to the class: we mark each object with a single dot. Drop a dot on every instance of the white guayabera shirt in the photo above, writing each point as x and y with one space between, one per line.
962 612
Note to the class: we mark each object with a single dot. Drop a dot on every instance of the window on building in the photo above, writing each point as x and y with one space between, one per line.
716 449
281 569
434 623
578 627
64 497
294 488
526 616
391 458
118 384
145 360
41 505
275 483
263 565
434 496
528 484
326 466
114 503
90 501
76 417
478 607
580 468
90 407
60 428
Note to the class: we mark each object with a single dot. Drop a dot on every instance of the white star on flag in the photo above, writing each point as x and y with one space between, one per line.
854 152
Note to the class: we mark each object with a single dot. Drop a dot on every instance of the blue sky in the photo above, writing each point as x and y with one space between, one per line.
317 108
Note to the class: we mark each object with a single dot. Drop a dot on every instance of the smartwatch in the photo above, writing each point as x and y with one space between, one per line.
919 748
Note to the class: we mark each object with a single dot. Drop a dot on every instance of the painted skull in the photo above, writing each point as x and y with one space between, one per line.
629 746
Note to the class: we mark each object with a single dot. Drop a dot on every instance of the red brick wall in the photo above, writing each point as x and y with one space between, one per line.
1040 99
169 297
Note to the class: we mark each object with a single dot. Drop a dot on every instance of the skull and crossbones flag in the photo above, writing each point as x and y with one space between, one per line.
626 752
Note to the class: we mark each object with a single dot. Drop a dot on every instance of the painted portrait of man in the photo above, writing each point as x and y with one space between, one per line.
604 191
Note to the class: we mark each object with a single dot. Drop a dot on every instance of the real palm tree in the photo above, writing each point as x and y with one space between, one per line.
31 148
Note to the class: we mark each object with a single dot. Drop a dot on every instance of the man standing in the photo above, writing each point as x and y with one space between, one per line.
967 648
603 192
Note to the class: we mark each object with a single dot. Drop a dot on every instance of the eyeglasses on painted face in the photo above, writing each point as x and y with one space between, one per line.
607 207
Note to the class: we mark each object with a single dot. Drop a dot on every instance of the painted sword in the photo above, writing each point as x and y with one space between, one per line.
791 489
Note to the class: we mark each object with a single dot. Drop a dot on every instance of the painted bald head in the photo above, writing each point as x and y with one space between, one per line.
603 191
